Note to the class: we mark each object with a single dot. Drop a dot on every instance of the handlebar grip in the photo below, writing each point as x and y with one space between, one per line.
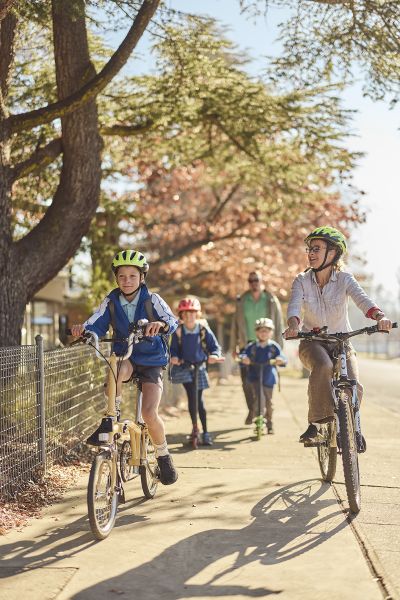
68 332
394 325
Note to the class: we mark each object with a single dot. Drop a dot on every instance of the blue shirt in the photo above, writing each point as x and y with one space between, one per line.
129 307
263 354
186 346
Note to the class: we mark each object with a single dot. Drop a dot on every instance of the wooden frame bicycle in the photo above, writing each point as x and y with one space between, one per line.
125 447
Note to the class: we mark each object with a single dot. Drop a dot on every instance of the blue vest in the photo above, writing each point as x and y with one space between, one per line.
151 352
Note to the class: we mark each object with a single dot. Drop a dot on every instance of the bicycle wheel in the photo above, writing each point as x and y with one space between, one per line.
102 497
259 427
327 456
149 470
349 455
127 471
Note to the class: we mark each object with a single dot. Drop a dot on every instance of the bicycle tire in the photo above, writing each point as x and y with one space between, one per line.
149 471
327 456
259 427
127 471
349 454
102 501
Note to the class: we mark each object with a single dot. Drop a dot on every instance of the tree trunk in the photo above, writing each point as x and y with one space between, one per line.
40 255
28 264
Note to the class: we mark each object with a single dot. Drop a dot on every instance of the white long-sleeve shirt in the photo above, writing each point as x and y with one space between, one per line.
328 306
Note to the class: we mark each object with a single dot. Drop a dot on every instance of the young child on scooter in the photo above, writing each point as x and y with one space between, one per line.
258 355
194 344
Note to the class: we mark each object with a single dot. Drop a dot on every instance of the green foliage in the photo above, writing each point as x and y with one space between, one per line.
331 39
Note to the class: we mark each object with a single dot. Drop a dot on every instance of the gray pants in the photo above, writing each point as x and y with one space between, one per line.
247 388
316 358
266 402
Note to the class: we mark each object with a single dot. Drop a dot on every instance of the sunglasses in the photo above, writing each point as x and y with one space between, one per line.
253 280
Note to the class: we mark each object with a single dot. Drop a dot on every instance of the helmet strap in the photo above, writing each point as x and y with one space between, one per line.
325 265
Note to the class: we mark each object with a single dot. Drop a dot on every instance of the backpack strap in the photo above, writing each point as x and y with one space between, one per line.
253 351
148 306
111 307
203 340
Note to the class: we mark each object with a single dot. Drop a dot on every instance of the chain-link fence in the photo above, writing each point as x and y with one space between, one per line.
49 401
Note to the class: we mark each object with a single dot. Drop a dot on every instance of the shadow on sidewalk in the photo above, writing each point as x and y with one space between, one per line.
287 524
59 543
218 443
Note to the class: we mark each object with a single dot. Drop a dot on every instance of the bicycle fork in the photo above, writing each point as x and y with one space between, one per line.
340 388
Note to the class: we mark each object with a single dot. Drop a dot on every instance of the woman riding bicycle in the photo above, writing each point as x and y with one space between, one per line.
322 293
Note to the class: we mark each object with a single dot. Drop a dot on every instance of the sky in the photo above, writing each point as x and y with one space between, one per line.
377 130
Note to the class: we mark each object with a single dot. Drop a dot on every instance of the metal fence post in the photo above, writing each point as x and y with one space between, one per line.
40 410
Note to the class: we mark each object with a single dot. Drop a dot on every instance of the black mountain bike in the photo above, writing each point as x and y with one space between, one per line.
342 435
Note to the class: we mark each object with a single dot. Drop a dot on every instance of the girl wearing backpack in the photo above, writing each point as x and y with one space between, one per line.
193 345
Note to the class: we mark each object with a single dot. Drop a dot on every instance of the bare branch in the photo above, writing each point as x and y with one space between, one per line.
214 213
127 130
40 159
93 87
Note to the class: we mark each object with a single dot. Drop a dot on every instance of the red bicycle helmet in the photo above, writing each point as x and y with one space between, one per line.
189 304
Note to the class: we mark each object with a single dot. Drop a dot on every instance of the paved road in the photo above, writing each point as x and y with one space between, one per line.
381 379
246 519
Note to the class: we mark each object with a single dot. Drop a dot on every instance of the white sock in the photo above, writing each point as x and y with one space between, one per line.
162 449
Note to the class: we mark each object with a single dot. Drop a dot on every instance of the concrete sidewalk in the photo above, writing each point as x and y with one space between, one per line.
245 519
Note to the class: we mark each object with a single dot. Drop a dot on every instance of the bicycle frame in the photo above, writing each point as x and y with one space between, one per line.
340 384
126 430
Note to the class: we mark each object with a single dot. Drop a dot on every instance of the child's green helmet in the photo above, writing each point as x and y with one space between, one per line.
130 258
329 234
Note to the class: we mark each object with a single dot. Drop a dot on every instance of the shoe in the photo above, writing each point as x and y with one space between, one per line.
311 437
249 418
270 429
168 473
206 439
101 435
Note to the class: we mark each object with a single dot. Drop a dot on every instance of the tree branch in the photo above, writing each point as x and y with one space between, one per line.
91 89
40 159
127 130
198 243
214 213
5 6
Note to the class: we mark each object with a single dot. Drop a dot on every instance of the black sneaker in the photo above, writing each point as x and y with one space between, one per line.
100 436
168 473
311 437
270 429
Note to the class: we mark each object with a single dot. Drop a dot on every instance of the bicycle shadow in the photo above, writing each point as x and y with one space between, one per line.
287 524
60 543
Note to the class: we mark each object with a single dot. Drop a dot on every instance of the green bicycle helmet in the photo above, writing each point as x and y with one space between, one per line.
130 258
330 235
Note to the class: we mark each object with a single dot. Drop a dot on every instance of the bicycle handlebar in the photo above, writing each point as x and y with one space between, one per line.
136 335
321 334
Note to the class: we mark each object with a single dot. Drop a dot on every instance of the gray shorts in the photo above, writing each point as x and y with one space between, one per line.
148 375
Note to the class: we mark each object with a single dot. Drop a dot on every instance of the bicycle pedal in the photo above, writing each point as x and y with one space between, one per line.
313 444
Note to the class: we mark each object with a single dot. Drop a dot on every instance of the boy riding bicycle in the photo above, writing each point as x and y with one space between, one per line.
124 305
258 355
194 344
